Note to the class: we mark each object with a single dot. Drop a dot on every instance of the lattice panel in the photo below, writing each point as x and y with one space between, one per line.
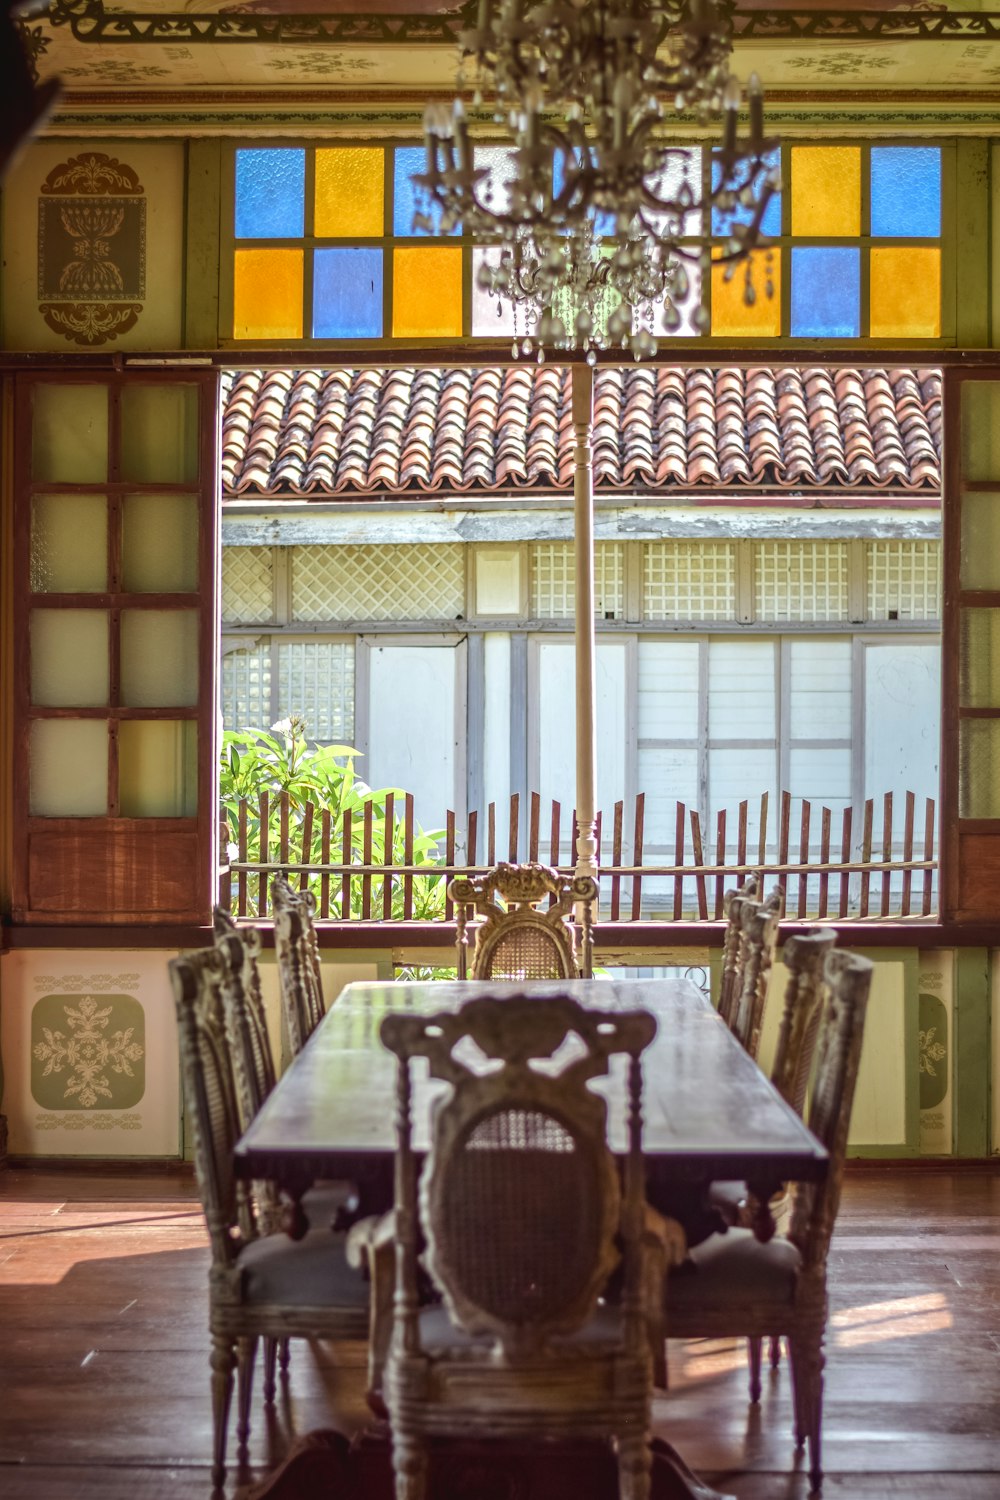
553 580
801 581
904 580
247 585
246 687
689 581
316 682
414 582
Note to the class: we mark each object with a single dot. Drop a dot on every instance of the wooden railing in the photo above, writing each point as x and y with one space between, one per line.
374 864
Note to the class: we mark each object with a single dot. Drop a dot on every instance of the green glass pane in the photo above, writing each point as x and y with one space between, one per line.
981 429
68 768
980 561
69 433
159 666
979 768
979 658
69 544
69 658
158 768
160 544
160 434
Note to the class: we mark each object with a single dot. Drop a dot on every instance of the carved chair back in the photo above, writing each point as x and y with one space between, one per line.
514 938
758 936
803 956
210 1100
253 1060
297 952
848 979
519 1200
731 985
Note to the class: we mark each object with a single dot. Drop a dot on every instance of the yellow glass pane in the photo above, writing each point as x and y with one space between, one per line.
158 768
68 775
267 294
730 314
350 191
160 433
69 433
426 292
160 544
980 430
979 768
69 544
980 552
159 666
979 658
69 657
826 190
905 292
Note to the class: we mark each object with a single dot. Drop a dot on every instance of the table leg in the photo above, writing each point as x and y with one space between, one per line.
674 1480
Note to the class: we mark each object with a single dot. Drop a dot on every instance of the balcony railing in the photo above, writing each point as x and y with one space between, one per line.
376 864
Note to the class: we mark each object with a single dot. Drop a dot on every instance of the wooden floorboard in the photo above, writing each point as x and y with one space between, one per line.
104 1351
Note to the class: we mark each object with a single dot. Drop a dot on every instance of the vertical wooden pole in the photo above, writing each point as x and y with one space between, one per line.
582 385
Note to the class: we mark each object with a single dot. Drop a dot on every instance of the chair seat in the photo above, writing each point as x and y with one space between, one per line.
311 1272
730 1270
599 1335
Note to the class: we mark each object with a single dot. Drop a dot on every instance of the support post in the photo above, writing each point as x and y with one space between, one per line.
582 383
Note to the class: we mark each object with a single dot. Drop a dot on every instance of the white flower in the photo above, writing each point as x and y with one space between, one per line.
283 726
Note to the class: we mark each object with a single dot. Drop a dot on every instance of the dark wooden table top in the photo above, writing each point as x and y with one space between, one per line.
709 1113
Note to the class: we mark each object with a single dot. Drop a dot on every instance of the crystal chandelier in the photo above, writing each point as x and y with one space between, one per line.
596 218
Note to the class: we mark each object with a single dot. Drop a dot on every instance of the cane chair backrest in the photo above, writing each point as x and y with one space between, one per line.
803 956
515 938
297 952
848 979
758 936
731 985
210 1100
520 1202
246 1022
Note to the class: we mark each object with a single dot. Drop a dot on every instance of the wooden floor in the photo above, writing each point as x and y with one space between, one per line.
104 1355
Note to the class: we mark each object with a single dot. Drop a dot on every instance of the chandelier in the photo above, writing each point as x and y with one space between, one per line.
596 218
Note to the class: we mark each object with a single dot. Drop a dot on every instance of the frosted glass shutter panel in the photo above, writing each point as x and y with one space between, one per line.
160 544
158 768
159 658
668 690
902 719
980 556
979 768
556 708
159 443
822 777
820 704
979 659
412 728
68 768
981 429
69 544
69 658
741 690
69 433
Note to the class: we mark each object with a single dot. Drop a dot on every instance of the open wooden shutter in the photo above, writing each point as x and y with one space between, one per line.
115 627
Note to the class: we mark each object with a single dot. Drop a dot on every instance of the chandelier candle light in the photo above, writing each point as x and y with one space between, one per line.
595 215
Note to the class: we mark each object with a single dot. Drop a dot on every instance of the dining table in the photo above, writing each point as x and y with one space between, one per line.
708 1113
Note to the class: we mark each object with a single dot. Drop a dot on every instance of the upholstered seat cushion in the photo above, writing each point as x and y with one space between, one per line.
309 1272
734 1268
438 1332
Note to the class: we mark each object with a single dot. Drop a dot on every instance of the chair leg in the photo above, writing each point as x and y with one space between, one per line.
807 1361
283 1355
635 1465
775 1353
246 1355
409 1466
753 1360
270 1367
222 1362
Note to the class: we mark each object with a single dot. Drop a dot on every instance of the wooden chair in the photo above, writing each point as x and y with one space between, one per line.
297 952
516 939
731 984
520 1204
260 1285
733 1284
758 938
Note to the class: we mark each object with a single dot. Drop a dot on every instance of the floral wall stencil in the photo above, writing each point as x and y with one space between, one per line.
91 248
88 1052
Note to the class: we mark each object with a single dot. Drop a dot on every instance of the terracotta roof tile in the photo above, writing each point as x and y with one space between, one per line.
320 433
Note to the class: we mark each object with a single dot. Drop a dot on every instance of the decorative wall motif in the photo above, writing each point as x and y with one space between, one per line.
88 1052
91 248
935 1025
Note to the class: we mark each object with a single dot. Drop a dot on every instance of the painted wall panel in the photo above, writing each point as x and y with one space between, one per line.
554 752
879 1117
902 718
496 729
937 1053
413 738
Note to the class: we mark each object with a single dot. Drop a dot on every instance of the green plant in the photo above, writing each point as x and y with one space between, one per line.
280 761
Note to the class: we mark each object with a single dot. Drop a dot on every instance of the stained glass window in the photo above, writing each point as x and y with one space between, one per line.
332 244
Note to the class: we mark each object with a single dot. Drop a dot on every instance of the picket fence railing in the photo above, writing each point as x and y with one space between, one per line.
368 865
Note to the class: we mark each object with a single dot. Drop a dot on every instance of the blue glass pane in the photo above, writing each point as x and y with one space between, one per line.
826 293
347 294
604 224
410 159
270 193
771 222
906 190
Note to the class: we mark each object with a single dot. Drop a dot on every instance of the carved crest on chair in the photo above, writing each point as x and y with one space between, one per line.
507 898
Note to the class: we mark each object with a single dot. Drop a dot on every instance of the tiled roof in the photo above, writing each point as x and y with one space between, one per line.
320 433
